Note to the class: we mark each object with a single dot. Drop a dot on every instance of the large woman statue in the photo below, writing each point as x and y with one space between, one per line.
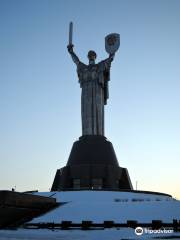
93 79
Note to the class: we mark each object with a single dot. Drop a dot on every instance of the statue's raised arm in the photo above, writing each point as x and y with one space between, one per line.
73 55
108 60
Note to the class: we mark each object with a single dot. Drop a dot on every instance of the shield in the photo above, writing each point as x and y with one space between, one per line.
112 43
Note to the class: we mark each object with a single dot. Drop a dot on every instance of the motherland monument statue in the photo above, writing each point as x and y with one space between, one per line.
93 79
92 163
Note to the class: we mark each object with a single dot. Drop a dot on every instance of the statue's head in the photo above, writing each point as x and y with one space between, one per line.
91 55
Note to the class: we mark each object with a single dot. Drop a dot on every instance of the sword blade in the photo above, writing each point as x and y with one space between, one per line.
70 32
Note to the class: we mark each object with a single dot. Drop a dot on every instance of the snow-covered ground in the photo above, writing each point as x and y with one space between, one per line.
108 234
100 206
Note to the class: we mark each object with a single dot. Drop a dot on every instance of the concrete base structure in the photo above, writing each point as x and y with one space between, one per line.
92 164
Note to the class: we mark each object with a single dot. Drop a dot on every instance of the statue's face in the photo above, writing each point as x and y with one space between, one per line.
91 56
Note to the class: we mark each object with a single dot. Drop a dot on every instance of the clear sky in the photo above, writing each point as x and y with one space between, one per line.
40 93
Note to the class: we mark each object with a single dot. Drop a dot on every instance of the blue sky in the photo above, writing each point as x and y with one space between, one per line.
40 94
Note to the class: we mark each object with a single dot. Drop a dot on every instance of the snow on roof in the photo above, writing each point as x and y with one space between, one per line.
100 206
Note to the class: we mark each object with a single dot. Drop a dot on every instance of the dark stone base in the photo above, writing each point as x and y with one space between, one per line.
92 164
92 149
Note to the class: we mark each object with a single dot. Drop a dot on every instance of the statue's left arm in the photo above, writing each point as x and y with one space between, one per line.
105 66
108 61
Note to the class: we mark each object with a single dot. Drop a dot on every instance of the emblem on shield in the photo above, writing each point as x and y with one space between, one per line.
112 43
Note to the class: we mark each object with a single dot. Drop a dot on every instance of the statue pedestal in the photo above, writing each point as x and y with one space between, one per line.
92 164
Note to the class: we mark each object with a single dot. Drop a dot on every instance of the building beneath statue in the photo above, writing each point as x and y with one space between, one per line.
92 164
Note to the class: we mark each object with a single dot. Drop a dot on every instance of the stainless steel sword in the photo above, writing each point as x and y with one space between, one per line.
70 33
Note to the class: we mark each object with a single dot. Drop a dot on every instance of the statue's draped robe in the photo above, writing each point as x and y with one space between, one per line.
93 79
